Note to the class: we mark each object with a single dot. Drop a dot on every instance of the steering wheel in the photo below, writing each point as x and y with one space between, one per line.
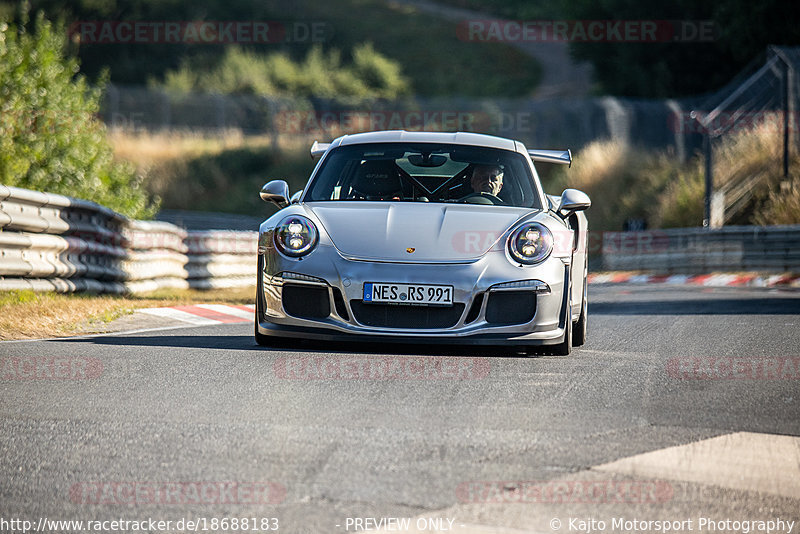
480 198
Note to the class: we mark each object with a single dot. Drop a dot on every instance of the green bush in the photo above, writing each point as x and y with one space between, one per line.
319 74
50 136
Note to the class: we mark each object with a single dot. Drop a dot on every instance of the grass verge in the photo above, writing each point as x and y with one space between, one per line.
27 315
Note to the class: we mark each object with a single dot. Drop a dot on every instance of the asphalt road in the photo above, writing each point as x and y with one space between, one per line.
202 406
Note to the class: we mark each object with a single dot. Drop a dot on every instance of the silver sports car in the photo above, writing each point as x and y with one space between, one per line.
424 237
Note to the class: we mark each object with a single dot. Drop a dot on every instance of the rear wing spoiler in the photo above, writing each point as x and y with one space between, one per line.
318 149
564 157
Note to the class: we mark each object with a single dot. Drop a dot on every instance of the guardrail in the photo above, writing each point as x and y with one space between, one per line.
700 250
56 243
219 259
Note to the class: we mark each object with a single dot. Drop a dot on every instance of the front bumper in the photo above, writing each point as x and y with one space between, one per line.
339 280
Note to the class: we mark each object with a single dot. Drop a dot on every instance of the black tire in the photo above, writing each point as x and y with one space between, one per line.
261 339
565 347
579 329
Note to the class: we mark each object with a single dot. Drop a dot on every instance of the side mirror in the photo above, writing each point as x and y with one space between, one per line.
277 192
296 197
571 201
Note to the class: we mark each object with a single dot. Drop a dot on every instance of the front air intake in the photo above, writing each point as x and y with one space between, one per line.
306 302
510 307
399 316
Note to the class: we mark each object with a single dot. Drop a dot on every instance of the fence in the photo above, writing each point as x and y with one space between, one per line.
763 93
565 122
770 94
55 243
699 250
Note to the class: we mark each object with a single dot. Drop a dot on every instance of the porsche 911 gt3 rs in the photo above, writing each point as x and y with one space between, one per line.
424 237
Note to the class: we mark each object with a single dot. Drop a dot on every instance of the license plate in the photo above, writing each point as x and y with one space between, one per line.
421 294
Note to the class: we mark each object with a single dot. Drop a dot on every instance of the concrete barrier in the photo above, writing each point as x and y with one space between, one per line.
56 243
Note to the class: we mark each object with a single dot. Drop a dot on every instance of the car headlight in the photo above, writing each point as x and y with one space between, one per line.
296 236
530 243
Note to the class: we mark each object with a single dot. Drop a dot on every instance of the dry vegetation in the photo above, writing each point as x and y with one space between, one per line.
220 171
759 153
25 314
145 149
626 182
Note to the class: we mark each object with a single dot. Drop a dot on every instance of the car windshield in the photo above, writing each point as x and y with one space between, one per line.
425 173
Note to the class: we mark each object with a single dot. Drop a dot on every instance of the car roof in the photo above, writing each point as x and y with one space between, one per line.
453 138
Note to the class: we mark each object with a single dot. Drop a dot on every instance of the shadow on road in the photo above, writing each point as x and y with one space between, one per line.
710 306
232 342
239 342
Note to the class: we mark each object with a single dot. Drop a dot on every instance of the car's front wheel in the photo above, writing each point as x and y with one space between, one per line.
565 347
272 341
261 339
579 329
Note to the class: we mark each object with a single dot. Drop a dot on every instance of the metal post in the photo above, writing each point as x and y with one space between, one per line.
793 122
166 111
679 128
274 134
708 149
112 100
219 100
785 101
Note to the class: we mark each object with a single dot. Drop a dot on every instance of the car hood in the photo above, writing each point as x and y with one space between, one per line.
414 232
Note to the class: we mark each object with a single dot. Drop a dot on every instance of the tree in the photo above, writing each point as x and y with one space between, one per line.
50 136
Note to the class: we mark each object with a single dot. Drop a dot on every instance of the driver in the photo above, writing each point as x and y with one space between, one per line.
487 179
